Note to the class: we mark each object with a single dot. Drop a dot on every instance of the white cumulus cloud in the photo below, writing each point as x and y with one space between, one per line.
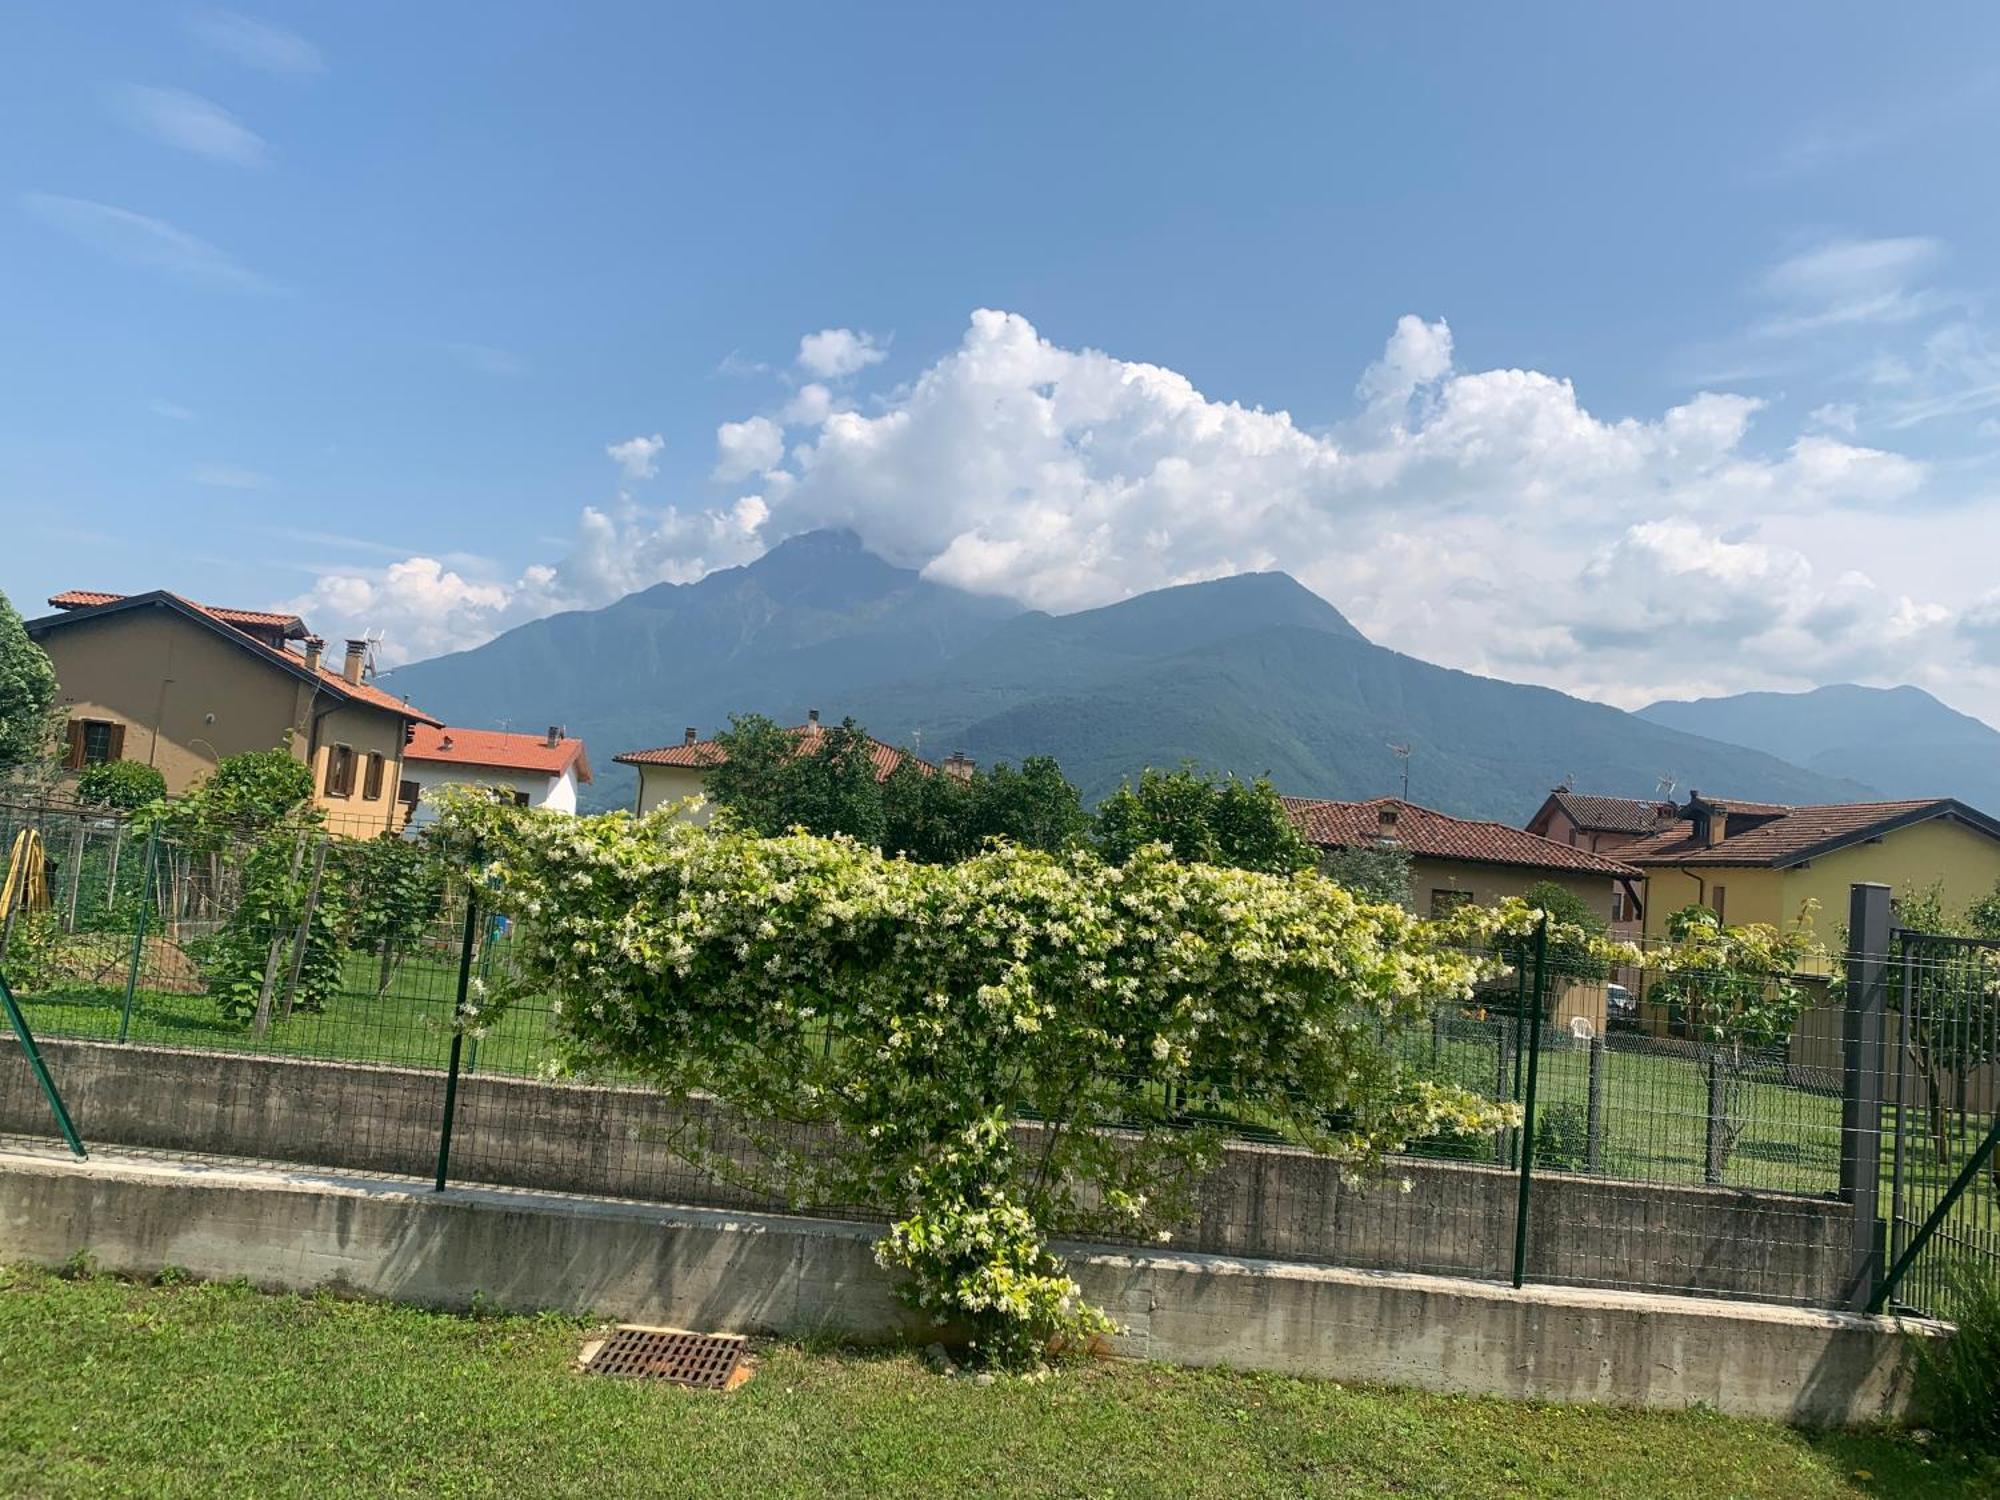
635 455
833 353
747 447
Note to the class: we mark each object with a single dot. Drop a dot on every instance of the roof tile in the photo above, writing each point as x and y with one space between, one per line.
1435 835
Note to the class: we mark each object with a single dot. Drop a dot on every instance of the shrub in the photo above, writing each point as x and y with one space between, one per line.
124 784
1562 1137
880 1027
1200 819
1958 1378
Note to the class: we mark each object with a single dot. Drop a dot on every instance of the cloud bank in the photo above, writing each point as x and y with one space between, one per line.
1481 518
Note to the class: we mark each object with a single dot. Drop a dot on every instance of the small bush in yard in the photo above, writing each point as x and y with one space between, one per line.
1562 1137
880 1028
1958 1378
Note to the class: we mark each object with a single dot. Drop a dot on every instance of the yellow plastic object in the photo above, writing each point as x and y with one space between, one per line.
27 884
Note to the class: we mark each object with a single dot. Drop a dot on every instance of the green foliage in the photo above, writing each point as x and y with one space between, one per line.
1371 874
773 780
1231 822
1735 990
1576 949
1953 995
879 1027
27 692
936 818
280 946
245 794
395 890
1958 1378
124 784
1562 1137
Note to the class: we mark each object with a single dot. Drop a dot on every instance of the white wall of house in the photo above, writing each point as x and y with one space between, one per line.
659 785
557 793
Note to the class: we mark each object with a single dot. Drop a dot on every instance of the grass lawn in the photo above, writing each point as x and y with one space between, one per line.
119 1389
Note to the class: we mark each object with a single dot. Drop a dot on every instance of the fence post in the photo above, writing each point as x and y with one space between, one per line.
1521 1202
1862 1055
457 1033
139 935
33 1053
1594 1109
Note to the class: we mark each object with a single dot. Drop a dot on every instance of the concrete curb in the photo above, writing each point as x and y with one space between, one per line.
763 1273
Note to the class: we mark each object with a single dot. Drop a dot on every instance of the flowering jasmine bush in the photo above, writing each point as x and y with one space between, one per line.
1018 1045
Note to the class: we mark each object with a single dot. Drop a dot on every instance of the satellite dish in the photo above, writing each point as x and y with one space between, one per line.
1581 1029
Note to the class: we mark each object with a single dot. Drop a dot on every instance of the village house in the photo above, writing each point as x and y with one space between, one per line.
537 770
178 686
1604 825
676 773
1762 862
1454 860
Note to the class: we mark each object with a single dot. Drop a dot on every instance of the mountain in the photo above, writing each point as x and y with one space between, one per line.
1253 673
1900 739
806 625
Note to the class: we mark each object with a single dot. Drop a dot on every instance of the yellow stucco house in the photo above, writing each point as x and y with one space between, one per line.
1760 862
178 685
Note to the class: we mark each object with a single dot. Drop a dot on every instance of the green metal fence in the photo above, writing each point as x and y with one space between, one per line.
1645 1157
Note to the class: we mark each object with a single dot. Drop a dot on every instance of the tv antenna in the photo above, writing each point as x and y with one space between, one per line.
1402 753
1666 788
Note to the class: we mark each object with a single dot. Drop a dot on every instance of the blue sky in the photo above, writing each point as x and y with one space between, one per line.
1637 353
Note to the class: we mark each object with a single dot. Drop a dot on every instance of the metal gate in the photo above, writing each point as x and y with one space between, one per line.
1941 1106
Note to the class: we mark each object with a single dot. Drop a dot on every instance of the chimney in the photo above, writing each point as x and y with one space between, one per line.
959 766
1385 822
315 649
812 716
555 735
357 654
445 743
691 736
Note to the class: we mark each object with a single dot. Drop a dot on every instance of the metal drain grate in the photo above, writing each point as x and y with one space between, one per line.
705 1361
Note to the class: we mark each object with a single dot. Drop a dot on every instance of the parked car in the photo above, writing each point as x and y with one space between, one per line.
1621 1008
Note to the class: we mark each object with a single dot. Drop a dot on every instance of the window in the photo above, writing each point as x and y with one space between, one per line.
520 799
92 742
340 771
407 793
371 781
1716 903
1444 902
1618 903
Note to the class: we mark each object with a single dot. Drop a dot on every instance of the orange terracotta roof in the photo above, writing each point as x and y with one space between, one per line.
263 619
1434 835
230 622
699 755
498 750
1793 835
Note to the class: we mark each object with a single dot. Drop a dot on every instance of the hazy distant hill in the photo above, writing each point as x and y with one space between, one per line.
1253 673
1899 739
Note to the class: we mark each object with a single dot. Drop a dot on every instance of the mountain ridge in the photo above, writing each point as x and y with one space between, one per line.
1250 673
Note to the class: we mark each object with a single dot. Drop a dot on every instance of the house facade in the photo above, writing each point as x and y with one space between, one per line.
1760 862
178 686
678 773
539 770
1604 825
1454 860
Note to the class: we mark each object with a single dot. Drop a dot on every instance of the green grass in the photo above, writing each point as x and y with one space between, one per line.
117 1389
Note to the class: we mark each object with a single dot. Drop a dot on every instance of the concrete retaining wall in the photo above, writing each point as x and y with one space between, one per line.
1267 1202
760 1273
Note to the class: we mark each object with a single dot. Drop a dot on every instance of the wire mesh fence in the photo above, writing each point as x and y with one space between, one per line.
287 993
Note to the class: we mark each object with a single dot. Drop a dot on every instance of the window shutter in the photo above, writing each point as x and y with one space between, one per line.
73 752
117 742
371 789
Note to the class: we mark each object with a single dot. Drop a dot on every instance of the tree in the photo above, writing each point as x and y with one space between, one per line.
27 692
1576 947
938 817
394 891
881 1030
1230 822
1737 990
127 785
773 780
1371 874
1034 806
1953 995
